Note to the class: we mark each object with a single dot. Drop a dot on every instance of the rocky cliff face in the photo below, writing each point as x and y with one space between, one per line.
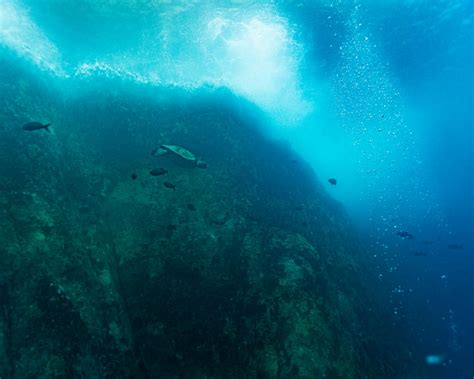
244 269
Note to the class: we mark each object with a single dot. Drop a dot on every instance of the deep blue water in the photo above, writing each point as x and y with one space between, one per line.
378 94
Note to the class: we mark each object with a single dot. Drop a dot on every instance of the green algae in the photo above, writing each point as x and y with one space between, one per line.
95 284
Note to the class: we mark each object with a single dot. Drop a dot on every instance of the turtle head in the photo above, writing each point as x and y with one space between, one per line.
158 151
201 164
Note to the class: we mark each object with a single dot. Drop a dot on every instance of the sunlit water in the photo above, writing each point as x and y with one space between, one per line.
375 94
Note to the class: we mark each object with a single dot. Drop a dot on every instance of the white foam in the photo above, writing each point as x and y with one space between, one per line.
253 55
261 63
249 50
20 34
102 68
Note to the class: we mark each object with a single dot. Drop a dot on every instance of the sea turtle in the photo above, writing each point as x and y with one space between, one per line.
179 154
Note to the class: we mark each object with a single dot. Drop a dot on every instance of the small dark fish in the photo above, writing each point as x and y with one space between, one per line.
405 235
383 116
84 209
253 217
134 176
332 181
169 185
219 221
299 208
427 242
191 207
304 224
455 246
171 227
158 171
420 254
31 126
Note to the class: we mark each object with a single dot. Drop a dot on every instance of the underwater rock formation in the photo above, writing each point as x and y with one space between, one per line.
95 283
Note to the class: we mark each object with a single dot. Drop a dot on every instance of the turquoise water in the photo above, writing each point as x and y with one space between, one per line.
378 95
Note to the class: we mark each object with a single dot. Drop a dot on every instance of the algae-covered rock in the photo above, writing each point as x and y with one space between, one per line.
102 276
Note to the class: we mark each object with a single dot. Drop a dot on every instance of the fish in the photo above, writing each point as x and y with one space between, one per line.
427 242
191 207
219 221
169 185
332 181
420 254
134 176
405 235
455 246
34 125
158 171
171 227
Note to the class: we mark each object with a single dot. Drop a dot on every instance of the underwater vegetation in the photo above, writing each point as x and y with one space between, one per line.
115 263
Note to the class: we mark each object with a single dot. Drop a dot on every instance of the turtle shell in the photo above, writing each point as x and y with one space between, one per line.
181 151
